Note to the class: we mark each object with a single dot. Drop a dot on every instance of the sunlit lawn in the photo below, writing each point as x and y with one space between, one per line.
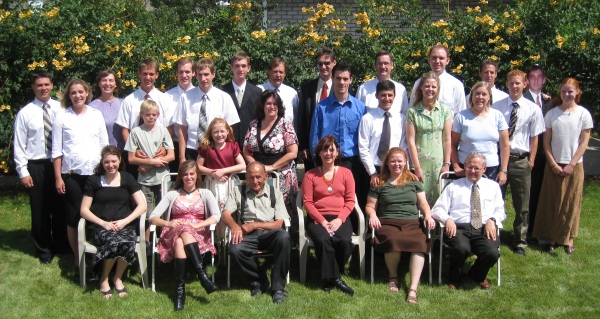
540 285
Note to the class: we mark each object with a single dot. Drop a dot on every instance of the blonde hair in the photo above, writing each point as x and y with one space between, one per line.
207 140
66 98
147 106
475 87
419 94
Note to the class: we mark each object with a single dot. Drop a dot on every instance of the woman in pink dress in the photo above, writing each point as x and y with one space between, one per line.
185 235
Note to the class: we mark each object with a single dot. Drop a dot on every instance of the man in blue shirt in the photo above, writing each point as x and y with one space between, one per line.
339 115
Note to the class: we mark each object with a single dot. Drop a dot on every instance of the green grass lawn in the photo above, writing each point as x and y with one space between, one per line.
540 285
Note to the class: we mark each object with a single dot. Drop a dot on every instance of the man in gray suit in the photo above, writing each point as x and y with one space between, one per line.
536 77
244 95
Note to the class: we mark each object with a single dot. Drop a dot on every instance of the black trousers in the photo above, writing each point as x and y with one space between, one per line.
74 184
467 240
277 242
191 154
537 178
361 183
332 251
47 214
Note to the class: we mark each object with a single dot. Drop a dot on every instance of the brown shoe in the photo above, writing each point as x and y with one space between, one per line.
569 249
485 284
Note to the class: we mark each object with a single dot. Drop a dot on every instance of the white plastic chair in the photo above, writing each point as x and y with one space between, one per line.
443 182
87 247
305 242
164 189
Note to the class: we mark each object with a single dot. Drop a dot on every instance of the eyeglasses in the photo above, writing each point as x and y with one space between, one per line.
324 63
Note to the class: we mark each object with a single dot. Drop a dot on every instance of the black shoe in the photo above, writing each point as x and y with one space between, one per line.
193 255
341 285
519 251
279 296
255 289
46 260
327 285
179 300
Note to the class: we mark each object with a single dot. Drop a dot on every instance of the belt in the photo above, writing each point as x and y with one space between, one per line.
40 161
519 156
348 159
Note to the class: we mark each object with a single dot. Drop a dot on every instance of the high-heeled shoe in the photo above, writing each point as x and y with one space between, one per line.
193 254
179 300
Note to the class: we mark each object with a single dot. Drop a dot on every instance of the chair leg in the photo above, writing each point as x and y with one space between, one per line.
303 260
142 259
361 258
153 268
441 257
228 271
82 267
372 265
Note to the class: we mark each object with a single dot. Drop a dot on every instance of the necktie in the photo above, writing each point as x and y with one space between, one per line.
239 96
47 127
203 123
475 207
384 142
323 92
147 96
538 102
512 123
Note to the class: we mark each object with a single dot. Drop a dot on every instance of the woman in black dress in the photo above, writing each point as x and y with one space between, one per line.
112 222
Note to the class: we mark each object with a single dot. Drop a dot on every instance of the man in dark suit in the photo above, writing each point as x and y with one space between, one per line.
536 77
311 93
244 95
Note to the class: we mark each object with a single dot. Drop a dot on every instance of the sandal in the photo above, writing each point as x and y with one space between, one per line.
121 292
393 284
106 294
411 299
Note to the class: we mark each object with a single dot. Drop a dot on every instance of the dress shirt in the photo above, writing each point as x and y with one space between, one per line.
258 206
369 135
175 95
129 114
218 104
497 95
320 83
29 140
366 94
452 92
289 97
110 111
79 140
530 122
340 120
238 87
455 202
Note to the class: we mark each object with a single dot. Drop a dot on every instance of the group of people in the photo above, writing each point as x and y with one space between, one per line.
374 150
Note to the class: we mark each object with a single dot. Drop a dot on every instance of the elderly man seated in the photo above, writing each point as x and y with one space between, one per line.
258 227
471 208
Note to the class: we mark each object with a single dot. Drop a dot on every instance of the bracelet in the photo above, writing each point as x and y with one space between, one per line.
555 164
448 163
504 171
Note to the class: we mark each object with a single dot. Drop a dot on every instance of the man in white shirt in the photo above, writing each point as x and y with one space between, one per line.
33 147
525 123
276 72
198 107
471 208
452 91
488 72
373 125
384 64
185 75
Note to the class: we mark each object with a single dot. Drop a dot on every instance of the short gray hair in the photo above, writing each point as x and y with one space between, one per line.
476 155
255 163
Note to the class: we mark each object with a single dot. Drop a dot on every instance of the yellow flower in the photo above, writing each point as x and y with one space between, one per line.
459 48
326 8
308 10
127 49
129 24
416 54
368 78
77 40
483 1
261 34
371 33
336 24
35 65
111 49
476 9
596 31
485 20
62 53
117 33
449 34
535 57
80 49
51 14
336 43
107 27
457 69
506 14
496 28
235 18
308 53
503 46
132 83
493 57
25 15
58 46
4 14
362 18
215 55
553 3
516 63
21 28
495 40
583 45
183 40
401 41
560 41
61 64
514 29
408 67
203 33
440 24
275 31
166 66
4 108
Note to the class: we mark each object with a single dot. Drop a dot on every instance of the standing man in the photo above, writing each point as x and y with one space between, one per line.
312 92
452 91
33 147
525 123
243 94
536 78
380 129
199 106
488 72
259 226
472 209
276 73
384 64
185 75
339 115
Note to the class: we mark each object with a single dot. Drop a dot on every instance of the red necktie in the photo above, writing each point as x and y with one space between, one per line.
324 92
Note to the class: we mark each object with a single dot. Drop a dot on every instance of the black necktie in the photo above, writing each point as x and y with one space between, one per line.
384 142
512 123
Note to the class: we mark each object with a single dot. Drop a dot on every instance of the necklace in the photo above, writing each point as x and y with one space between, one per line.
189 194
329 182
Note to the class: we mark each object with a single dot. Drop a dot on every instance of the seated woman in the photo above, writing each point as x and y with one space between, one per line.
105 205
393 211
328 196
185 235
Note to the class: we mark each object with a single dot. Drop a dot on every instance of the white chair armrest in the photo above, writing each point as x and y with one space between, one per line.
152 228
81 229
362 229
142 228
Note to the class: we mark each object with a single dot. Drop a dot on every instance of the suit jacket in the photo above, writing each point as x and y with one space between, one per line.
306 107
540 158
545 102
246 111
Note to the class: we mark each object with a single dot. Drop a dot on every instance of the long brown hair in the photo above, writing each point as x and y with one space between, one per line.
185 166
572 81
405 177
419 94
208 141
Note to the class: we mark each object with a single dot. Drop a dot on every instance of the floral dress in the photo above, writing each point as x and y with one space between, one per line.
281 135
429 126
188 213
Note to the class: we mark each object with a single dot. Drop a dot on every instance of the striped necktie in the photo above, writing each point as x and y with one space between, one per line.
47 127
475 207
203 123
512 122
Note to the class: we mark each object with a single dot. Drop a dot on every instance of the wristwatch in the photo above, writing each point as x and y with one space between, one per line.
494 220
504 171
